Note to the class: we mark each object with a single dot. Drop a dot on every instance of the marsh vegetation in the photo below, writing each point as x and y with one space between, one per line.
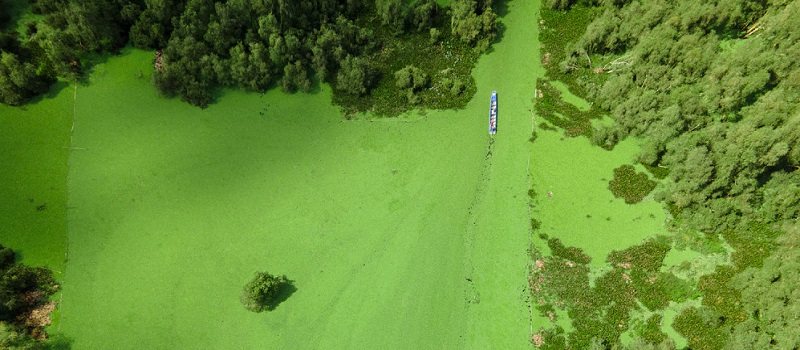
709 91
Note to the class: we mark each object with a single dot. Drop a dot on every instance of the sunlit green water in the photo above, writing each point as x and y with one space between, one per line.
382 225
34 142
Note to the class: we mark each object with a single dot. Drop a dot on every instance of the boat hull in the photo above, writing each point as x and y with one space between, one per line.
493 114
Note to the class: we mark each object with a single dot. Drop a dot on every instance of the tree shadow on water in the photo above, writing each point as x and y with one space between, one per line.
286 290
501 8
58 342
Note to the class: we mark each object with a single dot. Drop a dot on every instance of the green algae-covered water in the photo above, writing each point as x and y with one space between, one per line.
398 233
573 202
34 142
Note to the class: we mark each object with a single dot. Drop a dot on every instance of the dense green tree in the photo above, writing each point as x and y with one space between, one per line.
154 27
244 43
411 78
262 291
5 14
295 77
393 14
59 49
355 76
422 14
474 23
14 339
94 24
20 80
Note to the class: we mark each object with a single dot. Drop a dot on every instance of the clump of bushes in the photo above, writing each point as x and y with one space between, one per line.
630 185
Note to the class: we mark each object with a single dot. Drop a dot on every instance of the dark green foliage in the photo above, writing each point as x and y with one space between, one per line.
558 31
535 224
411 78
52 47
154 27
601 312
20 80
262 292
770 298
249 44
295 77
355 76
564 115
474 22
727 312
648 256
435 34
7 257
650 331
709 88
393 14
658 172
570 253
94 25
422 15
630 185
22 289
751 245
701 328
10 12
11 338
253 44
677 290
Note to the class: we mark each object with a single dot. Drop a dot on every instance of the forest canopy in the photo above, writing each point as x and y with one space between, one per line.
713 91
249 44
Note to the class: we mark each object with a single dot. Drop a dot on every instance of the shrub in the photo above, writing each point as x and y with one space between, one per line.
411 77
457 88
262 291
435 33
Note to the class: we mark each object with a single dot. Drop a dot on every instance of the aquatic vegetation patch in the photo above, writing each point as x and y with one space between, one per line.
558 29
724 308
551 107
630 185
601 312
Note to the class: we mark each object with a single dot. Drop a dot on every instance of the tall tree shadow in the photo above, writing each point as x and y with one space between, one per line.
500 8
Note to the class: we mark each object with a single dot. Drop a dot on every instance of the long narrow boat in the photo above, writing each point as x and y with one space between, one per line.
493 115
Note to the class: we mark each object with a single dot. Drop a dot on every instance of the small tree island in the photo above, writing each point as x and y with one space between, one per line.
263 291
